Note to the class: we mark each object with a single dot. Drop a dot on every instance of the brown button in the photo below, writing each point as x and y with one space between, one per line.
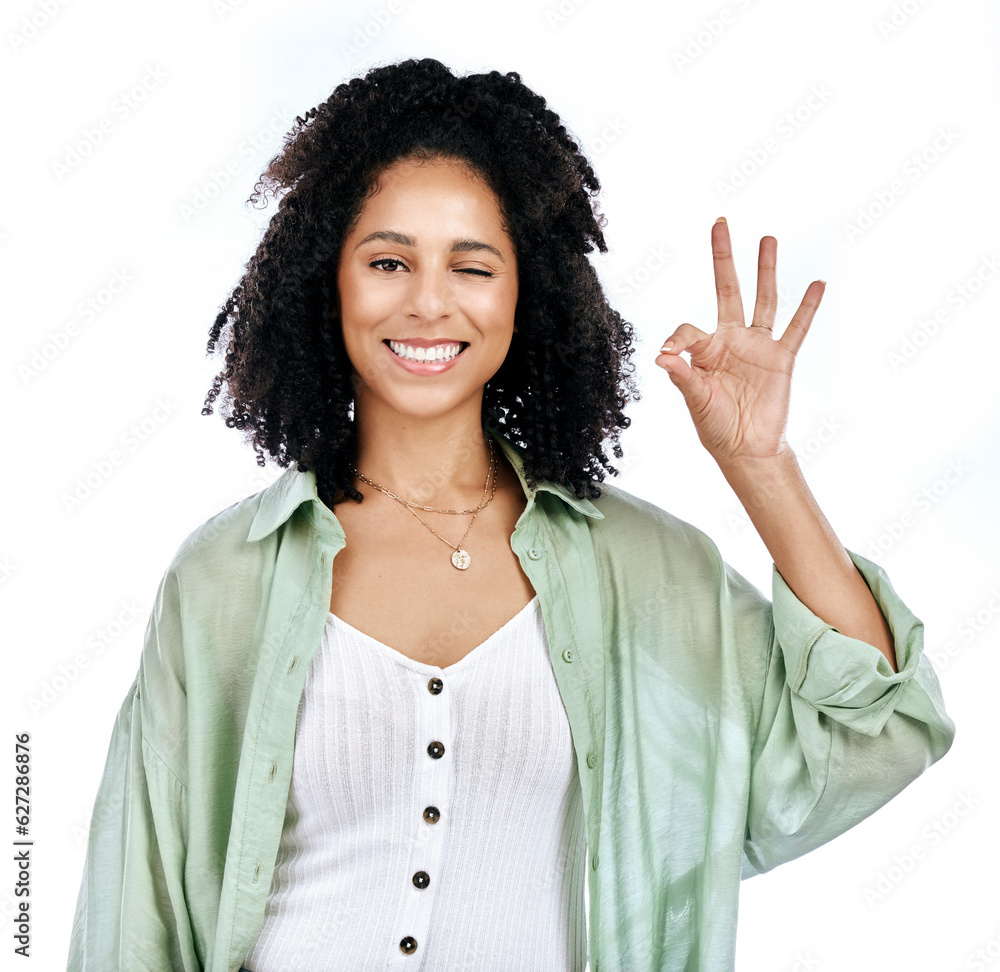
435 750
408 945
434 686
432 815
421 879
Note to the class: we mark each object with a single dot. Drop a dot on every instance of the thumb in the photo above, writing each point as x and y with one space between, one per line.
683 377
687 338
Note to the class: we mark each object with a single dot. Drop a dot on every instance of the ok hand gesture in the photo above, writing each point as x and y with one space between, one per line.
737 385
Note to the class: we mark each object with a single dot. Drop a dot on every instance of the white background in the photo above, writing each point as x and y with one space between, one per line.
668 104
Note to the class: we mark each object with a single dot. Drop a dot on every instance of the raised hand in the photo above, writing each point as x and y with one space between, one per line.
737 384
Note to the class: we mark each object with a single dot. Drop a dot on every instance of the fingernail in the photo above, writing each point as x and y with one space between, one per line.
666 347
823 282
721 219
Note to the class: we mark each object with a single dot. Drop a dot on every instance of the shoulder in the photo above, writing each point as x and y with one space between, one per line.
210 592
648 548
637 528
218 547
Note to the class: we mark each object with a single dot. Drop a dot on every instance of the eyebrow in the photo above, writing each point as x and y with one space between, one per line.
457 246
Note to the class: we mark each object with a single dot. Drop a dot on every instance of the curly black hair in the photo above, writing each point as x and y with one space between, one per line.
566 377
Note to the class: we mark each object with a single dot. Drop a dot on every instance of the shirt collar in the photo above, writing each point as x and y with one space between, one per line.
293 488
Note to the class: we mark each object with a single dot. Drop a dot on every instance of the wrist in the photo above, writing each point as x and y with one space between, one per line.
760 480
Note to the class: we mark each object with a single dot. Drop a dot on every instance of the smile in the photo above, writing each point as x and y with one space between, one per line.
438 353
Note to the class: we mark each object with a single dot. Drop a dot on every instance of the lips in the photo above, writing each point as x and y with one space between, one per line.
426 368
462 345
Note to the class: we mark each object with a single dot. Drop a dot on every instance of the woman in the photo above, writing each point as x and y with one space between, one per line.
576 729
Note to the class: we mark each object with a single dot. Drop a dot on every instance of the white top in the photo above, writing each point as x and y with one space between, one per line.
504 865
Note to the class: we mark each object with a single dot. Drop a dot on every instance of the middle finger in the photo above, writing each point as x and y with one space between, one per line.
767 288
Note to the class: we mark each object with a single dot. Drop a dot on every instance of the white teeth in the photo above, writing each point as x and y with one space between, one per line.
439 352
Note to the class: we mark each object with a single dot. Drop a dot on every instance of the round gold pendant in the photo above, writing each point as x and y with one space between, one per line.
461 559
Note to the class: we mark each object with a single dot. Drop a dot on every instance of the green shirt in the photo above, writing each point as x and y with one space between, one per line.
717 734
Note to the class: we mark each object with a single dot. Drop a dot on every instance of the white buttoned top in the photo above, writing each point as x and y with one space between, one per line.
435 815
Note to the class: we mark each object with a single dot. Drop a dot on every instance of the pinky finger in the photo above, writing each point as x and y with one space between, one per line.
798 326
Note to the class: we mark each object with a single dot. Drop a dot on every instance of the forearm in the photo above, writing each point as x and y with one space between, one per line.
805 550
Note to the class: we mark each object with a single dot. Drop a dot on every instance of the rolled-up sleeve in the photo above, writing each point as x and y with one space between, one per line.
839 734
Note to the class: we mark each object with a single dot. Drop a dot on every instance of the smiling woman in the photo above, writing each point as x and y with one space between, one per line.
439 300
425 206
563 741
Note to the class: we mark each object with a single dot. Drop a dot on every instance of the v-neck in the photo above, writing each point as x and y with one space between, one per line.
424 667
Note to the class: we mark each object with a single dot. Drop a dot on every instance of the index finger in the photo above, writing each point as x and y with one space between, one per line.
727 286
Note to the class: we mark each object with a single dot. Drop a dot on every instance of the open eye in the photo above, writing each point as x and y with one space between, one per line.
375 263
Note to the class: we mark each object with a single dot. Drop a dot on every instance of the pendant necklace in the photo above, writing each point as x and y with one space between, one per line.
460 557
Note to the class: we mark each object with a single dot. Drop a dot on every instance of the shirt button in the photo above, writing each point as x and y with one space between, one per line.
591 760
594 861
568 655
421 879
408 945
434 686
534 553
435 750
432 815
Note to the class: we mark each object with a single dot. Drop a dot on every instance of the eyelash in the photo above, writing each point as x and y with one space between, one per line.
471 270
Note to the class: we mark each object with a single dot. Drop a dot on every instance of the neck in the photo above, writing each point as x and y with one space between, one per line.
441 461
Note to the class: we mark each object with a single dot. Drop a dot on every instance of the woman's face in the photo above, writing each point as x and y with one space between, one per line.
428 266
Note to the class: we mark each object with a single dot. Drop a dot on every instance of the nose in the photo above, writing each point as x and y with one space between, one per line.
430 294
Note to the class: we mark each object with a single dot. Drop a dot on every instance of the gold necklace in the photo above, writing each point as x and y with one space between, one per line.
460 558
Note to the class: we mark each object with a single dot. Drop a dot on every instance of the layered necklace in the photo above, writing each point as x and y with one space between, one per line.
460 557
